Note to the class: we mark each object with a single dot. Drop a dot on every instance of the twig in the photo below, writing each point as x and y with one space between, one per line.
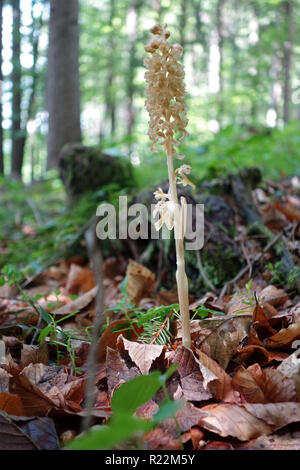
203 274
162 327
256 259
95 256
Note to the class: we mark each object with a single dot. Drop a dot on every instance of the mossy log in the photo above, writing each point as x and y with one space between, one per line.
84 169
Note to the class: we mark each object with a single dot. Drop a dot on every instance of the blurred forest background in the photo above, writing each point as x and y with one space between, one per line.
73 72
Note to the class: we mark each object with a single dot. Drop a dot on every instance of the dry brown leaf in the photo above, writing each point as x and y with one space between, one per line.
78 304
289 441
233 420
244 382
20 433
221 386
258 354
34 402
117 371
284 337
109 337
267 386
187 417
273 296
221 344
42 388
143 355
238 304
12 436
158 439
191 378
276 415
34 354
195 434
290 368
11 404
140 281
79 280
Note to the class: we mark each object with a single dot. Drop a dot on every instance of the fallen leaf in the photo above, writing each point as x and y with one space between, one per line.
221 344
221 387
12 436
79 280
11 404
258 354
140 281
109 337
273 296
195 434
268 386
158 439
244 382
284 337
27 433
238 304
191 377
187 417
290 368
143 355
77 304
117 371
34 354
232 420
288 441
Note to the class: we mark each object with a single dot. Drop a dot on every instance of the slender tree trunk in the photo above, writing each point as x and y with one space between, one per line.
288 7
110 105
220 32
34 39
132 25
182 25
63 94
1 90
17 153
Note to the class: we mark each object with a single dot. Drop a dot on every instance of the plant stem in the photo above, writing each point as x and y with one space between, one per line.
181 278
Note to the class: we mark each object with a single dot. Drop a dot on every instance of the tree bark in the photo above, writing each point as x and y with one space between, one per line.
132 24
17 153
220 32
110 105
288 7
1 90
63 93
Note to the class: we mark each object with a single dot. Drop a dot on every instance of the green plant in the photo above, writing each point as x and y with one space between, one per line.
124 404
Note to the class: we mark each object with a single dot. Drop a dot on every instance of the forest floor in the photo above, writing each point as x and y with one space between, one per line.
238 387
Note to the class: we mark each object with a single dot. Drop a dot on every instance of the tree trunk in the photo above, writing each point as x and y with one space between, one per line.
132 26
17 153
63 94
288 7
220 32
182 25
110 105
1 90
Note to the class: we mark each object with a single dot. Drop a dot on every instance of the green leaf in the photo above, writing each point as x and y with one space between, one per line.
105 437
167 409
134 393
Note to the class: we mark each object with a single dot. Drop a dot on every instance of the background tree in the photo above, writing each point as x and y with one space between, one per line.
1 91
63 93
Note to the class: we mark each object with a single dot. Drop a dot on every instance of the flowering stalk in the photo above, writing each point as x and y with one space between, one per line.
166 107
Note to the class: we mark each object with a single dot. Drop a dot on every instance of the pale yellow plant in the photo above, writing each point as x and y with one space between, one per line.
167 111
